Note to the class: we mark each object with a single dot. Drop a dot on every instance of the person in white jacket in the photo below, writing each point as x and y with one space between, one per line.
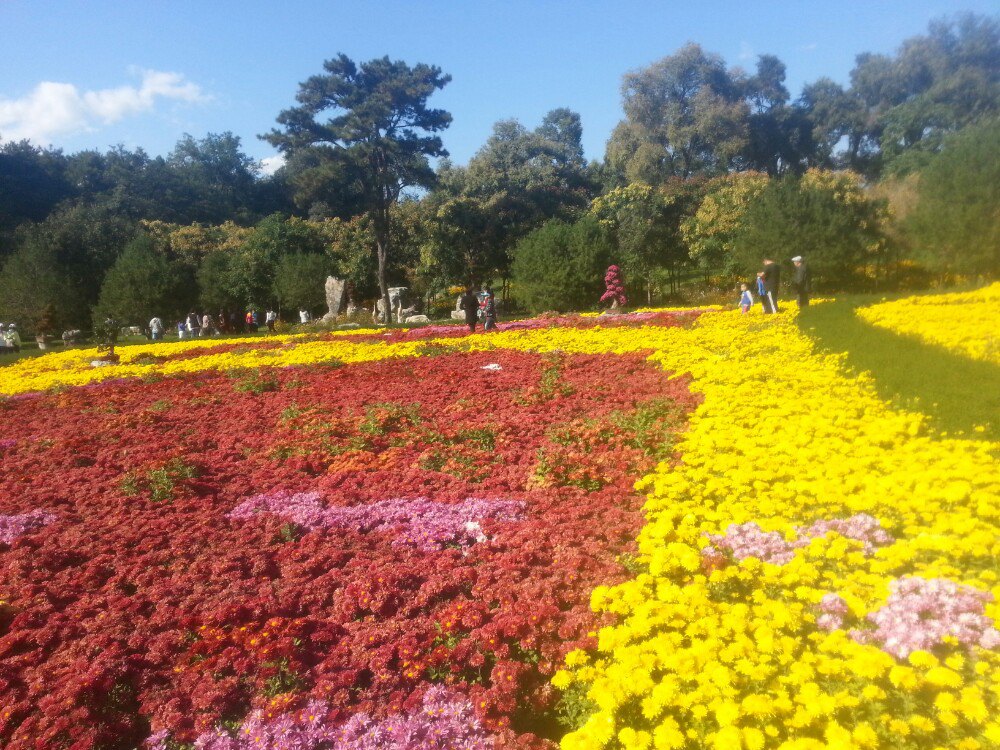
13 337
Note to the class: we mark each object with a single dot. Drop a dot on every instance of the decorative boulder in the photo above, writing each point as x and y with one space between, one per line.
334 297
397 303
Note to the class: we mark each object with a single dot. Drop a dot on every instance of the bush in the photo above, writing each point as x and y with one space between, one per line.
143 283
955 226
561 266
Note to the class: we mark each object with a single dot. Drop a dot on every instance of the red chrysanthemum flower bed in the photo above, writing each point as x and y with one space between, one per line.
142 606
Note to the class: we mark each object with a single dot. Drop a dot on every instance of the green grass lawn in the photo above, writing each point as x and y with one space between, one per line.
11 357
956 392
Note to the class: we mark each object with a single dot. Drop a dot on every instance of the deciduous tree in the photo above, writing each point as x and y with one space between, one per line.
711 231
828 218
299 281
687 113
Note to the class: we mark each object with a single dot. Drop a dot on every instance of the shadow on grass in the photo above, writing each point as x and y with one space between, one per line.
956 392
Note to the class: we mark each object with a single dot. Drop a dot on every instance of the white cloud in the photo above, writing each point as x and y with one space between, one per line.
53 109
271 164
746 51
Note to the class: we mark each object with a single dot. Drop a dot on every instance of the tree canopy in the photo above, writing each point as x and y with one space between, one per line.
955 224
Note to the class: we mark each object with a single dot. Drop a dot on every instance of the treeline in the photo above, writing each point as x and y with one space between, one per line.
892 180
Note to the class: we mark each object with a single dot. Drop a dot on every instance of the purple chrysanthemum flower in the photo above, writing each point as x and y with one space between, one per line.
12 527
921 612
750 540
445 721
861 526
418 522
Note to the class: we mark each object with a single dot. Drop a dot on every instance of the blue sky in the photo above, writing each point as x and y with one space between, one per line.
141 73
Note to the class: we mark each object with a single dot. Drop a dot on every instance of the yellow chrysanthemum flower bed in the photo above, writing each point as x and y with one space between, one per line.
73 367
730 653
967 322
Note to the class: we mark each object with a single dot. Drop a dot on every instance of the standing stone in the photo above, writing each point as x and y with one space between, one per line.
398 296
334 297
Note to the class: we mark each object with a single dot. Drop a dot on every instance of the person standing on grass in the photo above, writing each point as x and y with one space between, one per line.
802 280
772 280
470 303
270 318
192 325
13 337
489 311
746 299
156 328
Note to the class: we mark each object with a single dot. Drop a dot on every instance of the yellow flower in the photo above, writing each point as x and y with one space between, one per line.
944 677
562 679
864 735
667 735
727 738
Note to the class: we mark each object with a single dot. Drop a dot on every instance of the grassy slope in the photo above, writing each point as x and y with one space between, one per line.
958 393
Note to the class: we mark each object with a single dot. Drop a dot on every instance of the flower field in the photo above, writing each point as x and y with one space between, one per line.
965 322
73 367
432 540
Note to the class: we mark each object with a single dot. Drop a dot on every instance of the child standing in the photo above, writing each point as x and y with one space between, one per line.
746 299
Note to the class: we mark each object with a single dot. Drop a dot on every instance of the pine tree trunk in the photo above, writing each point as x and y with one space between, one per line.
382 249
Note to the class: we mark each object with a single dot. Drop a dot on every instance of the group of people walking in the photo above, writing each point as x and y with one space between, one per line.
479 305
203 325
195 325
769 283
